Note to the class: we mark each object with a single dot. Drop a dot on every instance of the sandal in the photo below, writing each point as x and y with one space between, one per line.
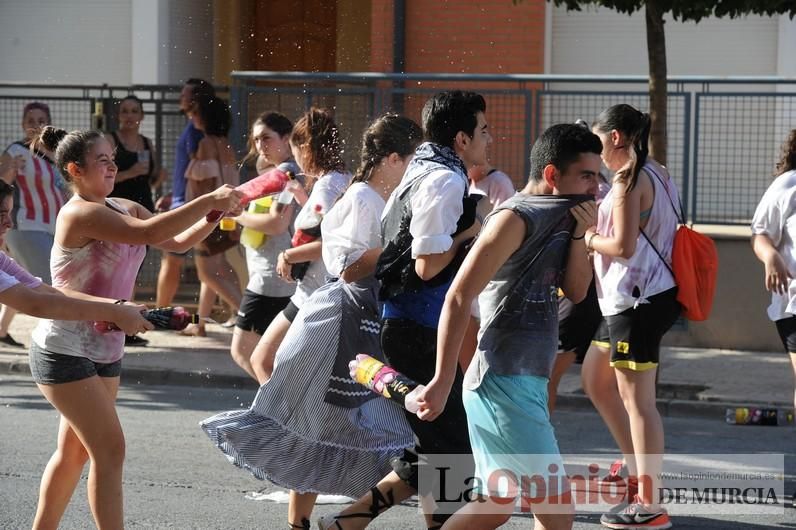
332 522
305 524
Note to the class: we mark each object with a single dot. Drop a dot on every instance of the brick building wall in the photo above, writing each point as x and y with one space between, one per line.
469 36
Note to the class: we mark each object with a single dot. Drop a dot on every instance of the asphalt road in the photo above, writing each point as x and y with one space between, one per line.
174 478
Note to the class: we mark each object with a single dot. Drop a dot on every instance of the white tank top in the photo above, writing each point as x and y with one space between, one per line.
100 268
625 283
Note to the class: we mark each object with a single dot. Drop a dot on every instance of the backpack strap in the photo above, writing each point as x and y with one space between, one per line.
657 252
678 214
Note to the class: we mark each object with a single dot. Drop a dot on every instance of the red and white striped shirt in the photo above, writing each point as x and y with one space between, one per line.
37 198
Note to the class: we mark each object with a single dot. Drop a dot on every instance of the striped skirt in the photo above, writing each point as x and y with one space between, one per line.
310 427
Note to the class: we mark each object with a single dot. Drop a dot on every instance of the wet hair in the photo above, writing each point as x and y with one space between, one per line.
316 129
787 161
561 145
200 87
37 105
68 147
635 125
132 97
279 123
388 134
6 190
447 113
214 114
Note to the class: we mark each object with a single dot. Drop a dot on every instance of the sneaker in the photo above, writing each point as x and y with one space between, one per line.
631 492
9 341
635 515
135 340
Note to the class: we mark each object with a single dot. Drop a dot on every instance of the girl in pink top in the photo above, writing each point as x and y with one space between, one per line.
99 245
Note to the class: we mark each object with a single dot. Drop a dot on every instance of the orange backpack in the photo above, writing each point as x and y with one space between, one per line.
695 266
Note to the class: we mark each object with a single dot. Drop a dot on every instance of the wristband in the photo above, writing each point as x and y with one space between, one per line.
120 302
589 244
573 238
284 257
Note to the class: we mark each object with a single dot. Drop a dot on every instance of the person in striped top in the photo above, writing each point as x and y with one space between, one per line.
39 193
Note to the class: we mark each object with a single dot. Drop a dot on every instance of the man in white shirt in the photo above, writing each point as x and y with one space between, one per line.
426 223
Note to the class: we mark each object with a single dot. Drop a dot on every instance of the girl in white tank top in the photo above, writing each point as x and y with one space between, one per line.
637 298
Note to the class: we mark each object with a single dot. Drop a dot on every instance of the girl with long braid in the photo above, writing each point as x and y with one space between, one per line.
312 428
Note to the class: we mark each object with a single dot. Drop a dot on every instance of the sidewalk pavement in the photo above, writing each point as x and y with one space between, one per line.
692 381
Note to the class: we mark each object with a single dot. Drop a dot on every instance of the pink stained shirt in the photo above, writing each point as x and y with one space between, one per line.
100 268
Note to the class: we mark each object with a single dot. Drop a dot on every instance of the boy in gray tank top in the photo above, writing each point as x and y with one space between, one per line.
531 245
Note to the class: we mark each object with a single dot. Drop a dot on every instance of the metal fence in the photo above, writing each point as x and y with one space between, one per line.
724 134
83 107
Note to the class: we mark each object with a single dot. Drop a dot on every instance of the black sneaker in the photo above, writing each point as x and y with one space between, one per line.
635 516
9 340
135 340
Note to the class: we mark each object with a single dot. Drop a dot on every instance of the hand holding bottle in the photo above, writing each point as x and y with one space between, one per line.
128 317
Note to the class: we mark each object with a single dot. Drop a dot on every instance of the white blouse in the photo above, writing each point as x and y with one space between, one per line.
351 227
775 217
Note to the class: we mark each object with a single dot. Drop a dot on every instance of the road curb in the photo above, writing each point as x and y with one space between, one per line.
570 401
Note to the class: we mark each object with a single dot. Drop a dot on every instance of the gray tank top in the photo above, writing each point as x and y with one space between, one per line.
519 306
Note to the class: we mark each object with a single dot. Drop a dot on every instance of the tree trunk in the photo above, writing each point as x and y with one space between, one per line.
656 51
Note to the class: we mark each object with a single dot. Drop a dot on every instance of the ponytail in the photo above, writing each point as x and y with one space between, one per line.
635 126
48 139
389 134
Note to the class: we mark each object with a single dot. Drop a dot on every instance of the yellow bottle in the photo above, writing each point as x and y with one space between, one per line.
250 237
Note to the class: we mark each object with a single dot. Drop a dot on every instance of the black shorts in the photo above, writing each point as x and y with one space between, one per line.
787 333
257 311
576 330
50 368
635 334
411 349
290 311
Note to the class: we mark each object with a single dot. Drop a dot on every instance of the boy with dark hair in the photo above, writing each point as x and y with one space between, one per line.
426 222
531 245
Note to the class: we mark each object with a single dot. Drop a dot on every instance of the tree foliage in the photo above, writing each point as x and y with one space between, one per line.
693 10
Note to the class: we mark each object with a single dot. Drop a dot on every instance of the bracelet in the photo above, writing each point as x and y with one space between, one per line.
120 302
590 242
573 238
284 257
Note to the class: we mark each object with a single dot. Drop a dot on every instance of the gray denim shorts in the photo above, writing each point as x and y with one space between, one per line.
50 368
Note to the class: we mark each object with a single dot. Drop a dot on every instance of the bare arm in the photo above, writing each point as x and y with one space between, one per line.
46 302
363 267
626 213
271 222
501 237
9 166
578 275
429 265
83 221
777 274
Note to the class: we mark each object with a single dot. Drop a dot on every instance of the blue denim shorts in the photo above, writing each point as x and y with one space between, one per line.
50 368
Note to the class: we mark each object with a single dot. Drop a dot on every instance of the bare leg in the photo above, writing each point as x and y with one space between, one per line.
793 362
207 298
300 507
560 366
262 358
168 278
6 316
217 273
364 510
646 428
243 344
90 429
599 383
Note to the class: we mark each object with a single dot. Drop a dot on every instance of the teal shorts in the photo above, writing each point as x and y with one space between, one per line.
512 437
